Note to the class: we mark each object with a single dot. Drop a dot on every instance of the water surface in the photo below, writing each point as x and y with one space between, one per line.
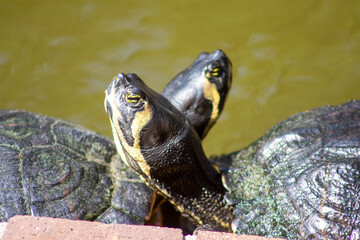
57 57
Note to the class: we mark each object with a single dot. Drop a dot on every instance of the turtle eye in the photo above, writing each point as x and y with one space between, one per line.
133 98
214 72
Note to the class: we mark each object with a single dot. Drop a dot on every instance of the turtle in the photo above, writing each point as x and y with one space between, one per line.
300 180
54 146
200 91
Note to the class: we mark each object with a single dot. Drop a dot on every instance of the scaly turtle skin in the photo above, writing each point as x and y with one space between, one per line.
49 167
160 144
200 91
301 180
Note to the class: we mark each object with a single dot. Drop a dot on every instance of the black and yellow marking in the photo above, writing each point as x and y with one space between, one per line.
212 94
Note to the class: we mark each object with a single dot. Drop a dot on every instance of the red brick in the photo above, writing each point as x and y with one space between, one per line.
27 227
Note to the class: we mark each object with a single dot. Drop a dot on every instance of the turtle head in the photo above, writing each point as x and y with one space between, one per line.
200 90
141 120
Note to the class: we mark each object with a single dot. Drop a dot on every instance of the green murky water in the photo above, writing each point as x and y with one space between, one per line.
57 57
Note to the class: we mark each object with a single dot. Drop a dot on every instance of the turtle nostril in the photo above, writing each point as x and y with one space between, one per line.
120 80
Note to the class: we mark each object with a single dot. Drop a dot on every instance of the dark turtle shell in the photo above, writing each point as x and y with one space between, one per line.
301 179
53 168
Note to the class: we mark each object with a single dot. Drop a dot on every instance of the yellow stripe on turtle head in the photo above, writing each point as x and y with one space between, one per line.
211 93
140 119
